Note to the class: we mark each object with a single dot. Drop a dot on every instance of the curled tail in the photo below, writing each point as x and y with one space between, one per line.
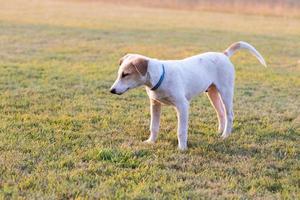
244 45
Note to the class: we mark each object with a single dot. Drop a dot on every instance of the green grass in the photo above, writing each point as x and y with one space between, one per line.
63 135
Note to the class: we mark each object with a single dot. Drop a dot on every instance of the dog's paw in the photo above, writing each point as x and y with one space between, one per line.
220 130
148 141
224 136
182 148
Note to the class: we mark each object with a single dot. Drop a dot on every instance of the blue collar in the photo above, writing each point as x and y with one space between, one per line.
160 79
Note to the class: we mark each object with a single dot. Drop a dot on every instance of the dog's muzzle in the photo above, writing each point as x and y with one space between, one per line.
113 91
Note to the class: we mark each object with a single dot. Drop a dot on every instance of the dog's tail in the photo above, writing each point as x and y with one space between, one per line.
244 45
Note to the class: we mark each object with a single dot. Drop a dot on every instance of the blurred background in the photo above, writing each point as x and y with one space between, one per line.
265 7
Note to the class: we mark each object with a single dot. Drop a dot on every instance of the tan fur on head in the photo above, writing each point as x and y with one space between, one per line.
141 65
122 59
129 69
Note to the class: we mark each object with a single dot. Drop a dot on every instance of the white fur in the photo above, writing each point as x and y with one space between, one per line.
212 72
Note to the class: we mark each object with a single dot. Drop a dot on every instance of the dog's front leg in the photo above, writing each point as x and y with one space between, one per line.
155 108
183 116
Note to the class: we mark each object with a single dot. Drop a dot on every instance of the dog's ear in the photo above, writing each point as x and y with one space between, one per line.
123 58
141 65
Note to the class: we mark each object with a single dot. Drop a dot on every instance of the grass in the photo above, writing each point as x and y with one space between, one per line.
62 135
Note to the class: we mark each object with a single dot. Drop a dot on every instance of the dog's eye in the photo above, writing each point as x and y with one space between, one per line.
124 75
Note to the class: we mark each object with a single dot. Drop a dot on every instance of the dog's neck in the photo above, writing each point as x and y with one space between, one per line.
154 73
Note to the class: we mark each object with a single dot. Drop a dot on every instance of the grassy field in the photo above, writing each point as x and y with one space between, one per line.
265 7
63 135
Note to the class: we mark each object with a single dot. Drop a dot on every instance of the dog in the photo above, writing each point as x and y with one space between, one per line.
176 82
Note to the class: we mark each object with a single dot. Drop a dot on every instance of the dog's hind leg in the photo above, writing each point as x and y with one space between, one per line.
217 103
227 98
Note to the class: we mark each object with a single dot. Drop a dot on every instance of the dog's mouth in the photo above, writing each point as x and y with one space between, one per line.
123 91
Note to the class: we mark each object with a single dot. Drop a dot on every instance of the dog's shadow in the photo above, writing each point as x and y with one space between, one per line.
242 145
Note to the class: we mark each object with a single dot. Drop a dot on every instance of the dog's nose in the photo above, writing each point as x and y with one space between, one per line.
113 91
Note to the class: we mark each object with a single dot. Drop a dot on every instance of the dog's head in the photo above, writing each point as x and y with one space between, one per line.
131 74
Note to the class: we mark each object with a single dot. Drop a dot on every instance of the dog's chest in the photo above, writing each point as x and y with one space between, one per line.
161 97
165 101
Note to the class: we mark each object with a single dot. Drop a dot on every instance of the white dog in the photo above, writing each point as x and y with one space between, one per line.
175 82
